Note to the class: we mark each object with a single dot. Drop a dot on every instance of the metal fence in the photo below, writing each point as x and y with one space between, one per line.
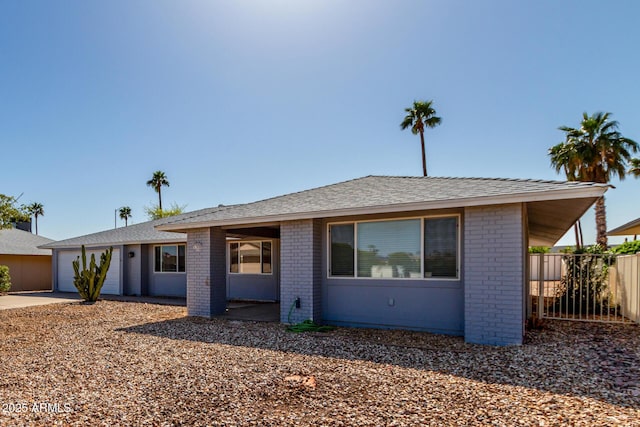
585 287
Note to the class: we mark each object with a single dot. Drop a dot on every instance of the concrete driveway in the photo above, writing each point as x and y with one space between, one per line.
29 299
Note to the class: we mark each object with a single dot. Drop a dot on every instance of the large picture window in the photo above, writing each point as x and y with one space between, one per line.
170 259
250 257
403 248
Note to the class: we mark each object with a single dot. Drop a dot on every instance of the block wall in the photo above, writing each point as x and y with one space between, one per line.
494 265
301 270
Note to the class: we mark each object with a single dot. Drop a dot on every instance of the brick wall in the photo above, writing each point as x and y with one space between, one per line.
206 272
494 245
301 270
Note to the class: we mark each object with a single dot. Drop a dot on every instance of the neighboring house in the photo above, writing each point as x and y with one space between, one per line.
632 228
447 255
29 266
145 261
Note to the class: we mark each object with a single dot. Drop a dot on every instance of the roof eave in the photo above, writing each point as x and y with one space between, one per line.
131 242
594 191
628 229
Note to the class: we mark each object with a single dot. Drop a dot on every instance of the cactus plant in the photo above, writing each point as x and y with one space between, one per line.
89 281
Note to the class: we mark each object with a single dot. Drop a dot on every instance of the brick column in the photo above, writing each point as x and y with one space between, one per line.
301 270
206 272
494 265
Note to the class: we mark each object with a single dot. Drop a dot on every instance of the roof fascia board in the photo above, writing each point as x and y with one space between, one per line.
107 244
594 191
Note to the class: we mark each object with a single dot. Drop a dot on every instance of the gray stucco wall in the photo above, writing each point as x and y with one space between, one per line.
133 267
495 244
164 284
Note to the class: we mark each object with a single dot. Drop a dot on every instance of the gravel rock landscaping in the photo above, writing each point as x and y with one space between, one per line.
117 363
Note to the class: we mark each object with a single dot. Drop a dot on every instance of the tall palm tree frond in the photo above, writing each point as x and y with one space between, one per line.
420 115
595 152
125 214
36 209
157 181
635 167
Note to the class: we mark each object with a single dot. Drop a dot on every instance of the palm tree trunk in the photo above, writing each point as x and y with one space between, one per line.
36 224
424 158
601 223
160 197
575 228
581 236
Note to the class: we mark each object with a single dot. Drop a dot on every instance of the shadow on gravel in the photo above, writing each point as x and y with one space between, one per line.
598 361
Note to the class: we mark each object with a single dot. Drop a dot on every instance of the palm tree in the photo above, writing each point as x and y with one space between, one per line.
635 167
563 156
36 209
125 214
158 180
420 115
595 152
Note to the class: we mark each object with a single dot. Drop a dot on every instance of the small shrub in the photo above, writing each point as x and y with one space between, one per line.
5 279
539 249
585 286
628 248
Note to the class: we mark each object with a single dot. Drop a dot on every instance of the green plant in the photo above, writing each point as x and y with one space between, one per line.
539 249
585 286
10 213
628 248
5 279
89 281
155 212
419 116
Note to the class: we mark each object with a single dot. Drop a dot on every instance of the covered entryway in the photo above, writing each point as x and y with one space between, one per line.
253 264
65 273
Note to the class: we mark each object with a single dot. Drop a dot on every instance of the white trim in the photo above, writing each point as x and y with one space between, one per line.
177 259
421 218
594 191
239 273
106 245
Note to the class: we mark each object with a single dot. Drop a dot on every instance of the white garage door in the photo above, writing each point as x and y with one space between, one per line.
65 271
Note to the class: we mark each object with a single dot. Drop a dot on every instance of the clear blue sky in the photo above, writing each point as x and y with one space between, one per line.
242 100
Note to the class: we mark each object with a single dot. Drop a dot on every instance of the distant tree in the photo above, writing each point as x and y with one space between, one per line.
10 213
595 152
155 212
420 115
36 209
125 214
157 181
635 167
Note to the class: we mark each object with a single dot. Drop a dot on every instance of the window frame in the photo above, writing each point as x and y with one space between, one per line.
176 245
261 250
422 218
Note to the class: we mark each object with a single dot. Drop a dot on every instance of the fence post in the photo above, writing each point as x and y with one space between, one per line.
541 286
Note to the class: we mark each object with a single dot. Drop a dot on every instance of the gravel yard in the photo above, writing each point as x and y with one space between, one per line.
116 363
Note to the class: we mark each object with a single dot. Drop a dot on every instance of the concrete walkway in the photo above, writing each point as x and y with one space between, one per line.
257 312
28 299
254 311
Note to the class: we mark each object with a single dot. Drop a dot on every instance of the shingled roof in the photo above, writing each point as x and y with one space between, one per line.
19 242
142 233
379 194
628 229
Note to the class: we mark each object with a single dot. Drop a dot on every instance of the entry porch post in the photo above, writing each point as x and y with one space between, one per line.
206 272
